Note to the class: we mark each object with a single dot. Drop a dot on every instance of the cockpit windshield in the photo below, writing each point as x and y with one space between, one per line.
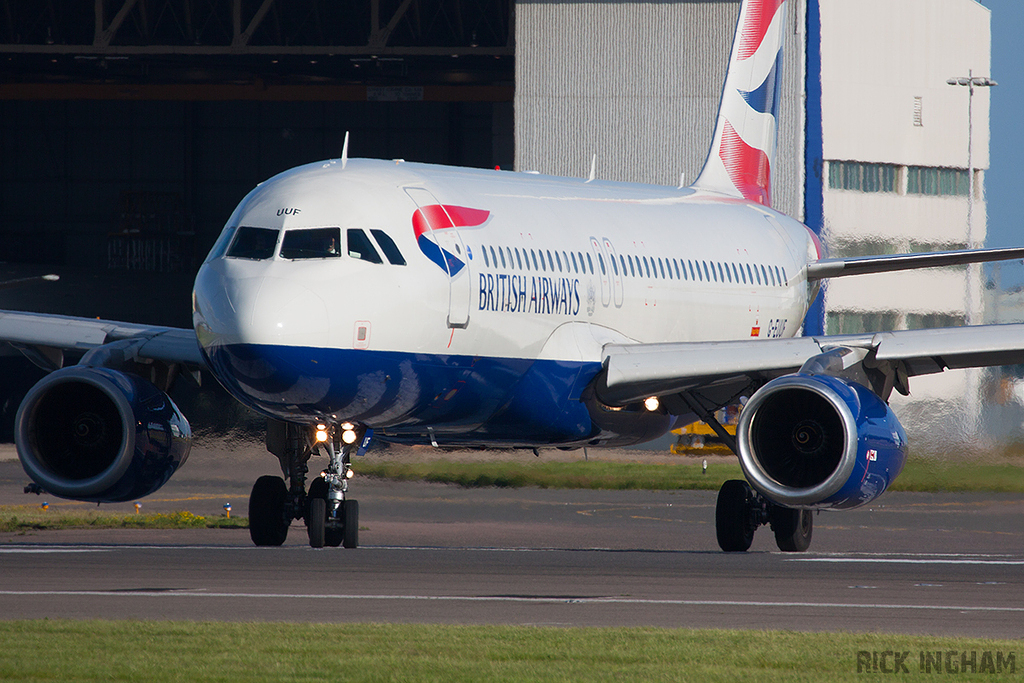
311 243
253 243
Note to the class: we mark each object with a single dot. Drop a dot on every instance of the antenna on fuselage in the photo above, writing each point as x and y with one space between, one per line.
344 151
593 168
682 181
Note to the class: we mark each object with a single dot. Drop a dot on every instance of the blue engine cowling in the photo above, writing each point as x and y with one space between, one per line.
816 441
100 435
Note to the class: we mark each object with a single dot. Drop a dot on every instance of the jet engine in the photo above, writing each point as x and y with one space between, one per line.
818 441
100 435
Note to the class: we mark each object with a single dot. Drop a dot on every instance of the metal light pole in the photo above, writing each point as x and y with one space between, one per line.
971 81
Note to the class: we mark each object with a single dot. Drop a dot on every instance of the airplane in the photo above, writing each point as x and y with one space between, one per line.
350 300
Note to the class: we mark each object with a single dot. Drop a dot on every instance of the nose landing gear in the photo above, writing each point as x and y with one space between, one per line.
330 517
333 519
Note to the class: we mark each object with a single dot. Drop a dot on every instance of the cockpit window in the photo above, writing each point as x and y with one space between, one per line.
360 247
253 243
311 243
389 247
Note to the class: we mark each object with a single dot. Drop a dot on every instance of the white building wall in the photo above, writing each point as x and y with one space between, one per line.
878 57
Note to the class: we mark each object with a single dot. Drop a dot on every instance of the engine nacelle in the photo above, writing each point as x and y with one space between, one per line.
816 441
100 435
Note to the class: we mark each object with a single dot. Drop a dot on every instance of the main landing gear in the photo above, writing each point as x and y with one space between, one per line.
740 510
330 517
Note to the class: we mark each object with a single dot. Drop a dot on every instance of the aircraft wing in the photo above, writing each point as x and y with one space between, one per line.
863 265
633 372
45 338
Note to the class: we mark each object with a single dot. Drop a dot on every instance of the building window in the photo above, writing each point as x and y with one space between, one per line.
937 181
849 322
924 321
856 175
918 121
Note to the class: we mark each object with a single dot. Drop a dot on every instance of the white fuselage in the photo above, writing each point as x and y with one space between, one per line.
535 268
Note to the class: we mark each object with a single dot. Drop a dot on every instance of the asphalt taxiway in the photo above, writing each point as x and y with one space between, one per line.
949 564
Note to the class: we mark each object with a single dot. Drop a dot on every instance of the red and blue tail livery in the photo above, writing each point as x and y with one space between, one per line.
743 151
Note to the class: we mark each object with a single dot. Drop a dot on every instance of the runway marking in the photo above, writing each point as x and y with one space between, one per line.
904 560
24 550
192 593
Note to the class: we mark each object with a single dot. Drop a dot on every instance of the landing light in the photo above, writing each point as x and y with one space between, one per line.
347 426
321 435
652 403
348 436
349 474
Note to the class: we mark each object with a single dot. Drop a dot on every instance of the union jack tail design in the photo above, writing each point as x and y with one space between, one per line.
743 150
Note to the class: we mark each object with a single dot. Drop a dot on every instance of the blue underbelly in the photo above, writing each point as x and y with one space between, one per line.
462 399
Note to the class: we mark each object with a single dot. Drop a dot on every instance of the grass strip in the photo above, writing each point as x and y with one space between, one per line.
21 518
183 651
920 474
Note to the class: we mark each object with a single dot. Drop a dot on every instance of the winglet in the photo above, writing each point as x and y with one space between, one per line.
743 148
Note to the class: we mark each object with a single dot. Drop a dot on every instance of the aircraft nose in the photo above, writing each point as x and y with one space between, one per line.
258 310
286 312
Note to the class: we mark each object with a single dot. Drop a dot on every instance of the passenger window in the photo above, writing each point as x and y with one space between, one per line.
622 262
575 268
359 247
388 246
758 275
675 262
493 259
486 262
661 267
778 276
772 274
590 262
551 261
253 243
502 255
632 270
750 275
519 260
784 278
315 243
533 256
764 275
558 260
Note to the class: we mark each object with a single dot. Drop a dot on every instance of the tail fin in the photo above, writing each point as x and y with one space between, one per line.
743 149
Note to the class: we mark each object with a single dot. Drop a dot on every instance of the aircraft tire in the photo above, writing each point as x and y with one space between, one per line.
317 489
732 517
317 522
793 528
267 523
350 532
